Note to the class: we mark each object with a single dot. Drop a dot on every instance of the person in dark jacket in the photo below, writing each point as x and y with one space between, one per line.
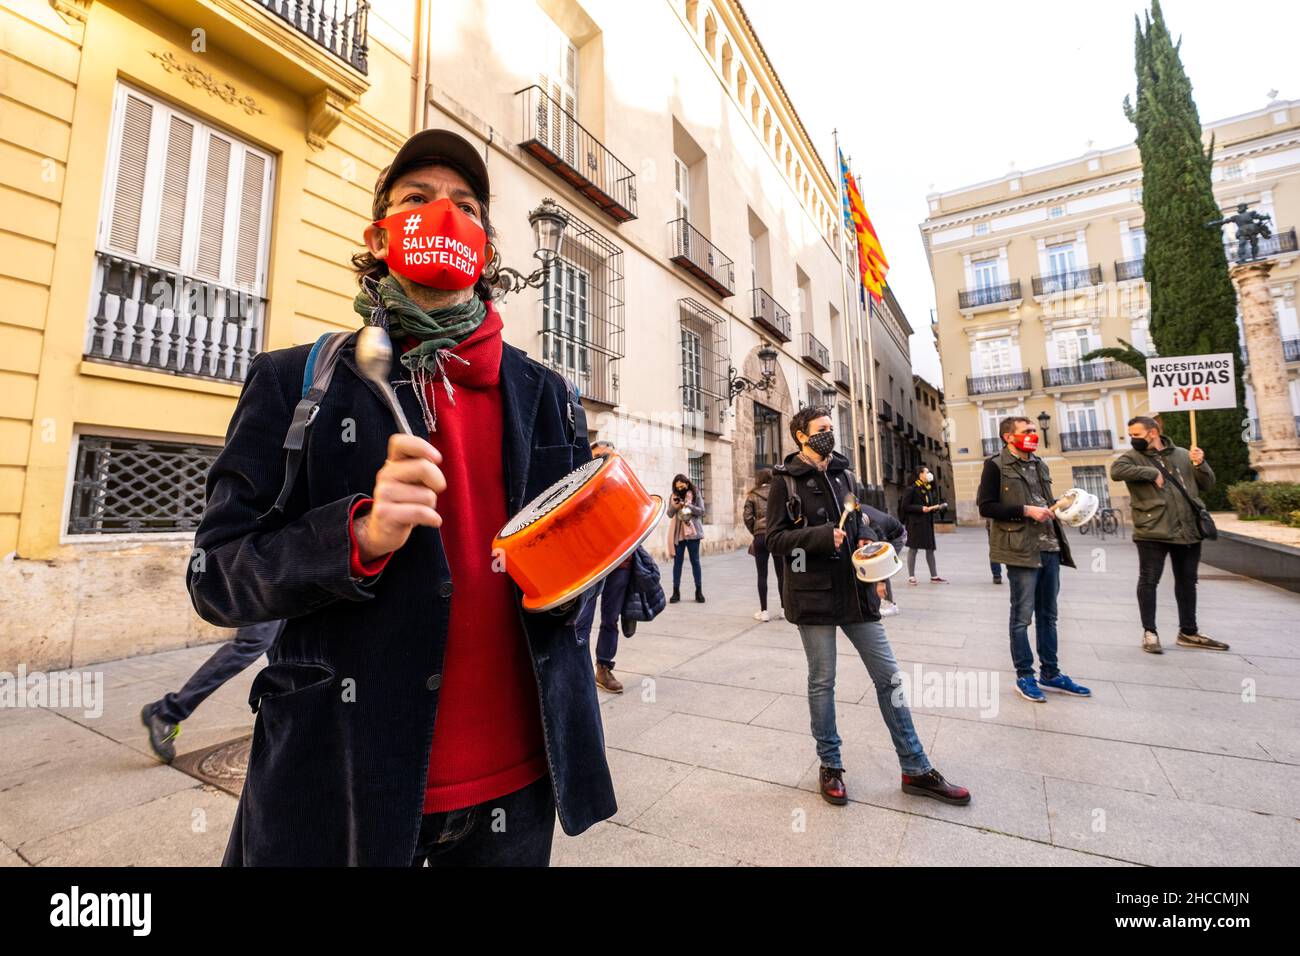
1015 494
755 517
918 506
822 592
612 593
410 701
1157 472
685 531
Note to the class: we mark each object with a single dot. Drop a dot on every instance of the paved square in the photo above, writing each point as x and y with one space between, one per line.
1188 758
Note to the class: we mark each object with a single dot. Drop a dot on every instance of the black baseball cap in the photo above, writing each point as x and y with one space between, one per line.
435 144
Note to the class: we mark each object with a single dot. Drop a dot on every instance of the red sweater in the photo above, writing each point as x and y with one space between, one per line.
487 738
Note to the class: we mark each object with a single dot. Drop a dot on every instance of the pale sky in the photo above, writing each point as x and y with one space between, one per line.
941 94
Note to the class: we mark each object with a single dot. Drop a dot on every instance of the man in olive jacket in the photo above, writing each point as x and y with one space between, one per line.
822 592
1163 482
1015 494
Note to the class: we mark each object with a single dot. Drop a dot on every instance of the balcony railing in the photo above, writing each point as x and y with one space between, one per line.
842 375
1066 281
814 353
1275 245
1291 350
164 320
768 314
554 136
990 446
1126 269
886 412
1087 440
702 258
337 25
989 295
1103 370
1002 382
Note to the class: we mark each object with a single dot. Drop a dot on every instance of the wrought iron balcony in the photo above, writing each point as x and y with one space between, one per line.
814 353
1102 370
1126 269
989 295
990 446
768 314
702 258
886 412
842 375
1058 282
164 320
1002 382
337 25
553 135
1291 350
1280 243
1087 440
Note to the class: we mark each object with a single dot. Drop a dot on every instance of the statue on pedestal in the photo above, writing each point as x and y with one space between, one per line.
1250 226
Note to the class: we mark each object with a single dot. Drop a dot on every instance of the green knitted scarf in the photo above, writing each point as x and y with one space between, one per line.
436 331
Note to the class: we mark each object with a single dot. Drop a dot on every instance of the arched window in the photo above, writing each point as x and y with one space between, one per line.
767 127
777 142
742 80
692 13
789 161
710 34
726 61
753 108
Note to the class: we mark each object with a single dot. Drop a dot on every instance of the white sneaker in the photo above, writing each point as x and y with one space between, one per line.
778 615
888 609
762 616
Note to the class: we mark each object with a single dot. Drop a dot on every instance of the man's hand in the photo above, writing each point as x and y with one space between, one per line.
406 495
881 591
1160 480
1197 455
840 535
1038 513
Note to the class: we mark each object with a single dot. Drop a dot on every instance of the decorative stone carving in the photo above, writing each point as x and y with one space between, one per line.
72 10
1277 456
205 81
324 111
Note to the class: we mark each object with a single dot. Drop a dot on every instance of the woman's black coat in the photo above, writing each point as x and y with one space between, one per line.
920 524
345 710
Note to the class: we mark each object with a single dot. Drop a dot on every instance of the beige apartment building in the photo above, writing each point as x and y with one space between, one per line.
1035 269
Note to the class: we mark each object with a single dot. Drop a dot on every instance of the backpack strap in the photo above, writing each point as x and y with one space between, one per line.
316 375
793 503
577 414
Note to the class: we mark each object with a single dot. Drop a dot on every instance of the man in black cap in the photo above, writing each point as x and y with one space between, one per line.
412 712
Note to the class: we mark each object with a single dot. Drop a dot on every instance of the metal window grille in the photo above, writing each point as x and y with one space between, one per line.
127 486
705 356
697 467
1092 478
582 312
767 437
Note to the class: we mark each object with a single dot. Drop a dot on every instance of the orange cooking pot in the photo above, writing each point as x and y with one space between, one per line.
577 531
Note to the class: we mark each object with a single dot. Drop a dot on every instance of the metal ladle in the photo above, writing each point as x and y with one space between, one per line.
375 359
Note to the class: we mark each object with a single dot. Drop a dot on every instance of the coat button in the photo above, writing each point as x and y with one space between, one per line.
822 512
434 682
444 589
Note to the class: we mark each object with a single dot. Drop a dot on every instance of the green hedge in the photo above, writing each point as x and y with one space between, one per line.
1279 500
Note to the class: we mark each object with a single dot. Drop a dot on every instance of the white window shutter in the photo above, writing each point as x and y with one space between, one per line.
129 176
175 180
248 241
207 262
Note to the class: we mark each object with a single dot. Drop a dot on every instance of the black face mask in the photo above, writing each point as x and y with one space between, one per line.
823 443
680 489
1139 444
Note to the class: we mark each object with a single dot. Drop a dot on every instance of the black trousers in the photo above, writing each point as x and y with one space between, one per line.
514 830
761 554
1151 565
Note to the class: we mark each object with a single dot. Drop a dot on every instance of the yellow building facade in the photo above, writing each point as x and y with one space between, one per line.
1036 269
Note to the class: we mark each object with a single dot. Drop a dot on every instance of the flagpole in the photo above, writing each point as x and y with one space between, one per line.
854 387
871 377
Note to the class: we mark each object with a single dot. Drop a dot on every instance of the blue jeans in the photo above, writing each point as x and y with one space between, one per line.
996 569
250 643
612 595
689 546
1033 596
514 830
873 647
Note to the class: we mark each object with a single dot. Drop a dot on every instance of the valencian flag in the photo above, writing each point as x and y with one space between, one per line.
872 264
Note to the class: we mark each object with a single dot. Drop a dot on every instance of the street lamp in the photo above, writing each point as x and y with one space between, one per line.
1044 425
738 384
548 221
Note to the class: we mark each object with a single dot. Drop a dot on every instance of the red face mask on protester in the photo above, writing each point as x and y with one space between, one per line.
435 245
1026 442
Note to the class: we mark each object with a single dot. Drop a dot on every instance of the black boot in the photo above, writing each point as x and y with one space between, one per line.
699 596
677 596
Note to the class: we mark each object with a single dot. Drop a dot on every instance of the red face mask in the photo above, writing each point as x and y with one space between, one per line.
1026 442
435 245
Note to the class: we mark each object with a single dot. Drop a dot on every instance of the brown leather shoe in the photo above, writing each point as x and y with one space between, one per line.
1200 641
831 780
606 680
932 784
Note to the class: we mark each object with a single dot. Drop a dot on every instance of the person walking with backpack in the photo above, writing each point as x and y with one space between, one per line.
755 517
806 525
918 506
1164 483
685 530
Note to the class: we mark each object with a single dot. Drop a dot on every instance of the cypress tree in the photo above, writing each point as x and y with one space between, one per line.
1193 302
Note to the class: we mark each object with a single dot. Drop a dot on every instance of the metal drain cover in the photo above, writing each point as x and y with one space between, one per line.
223 765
